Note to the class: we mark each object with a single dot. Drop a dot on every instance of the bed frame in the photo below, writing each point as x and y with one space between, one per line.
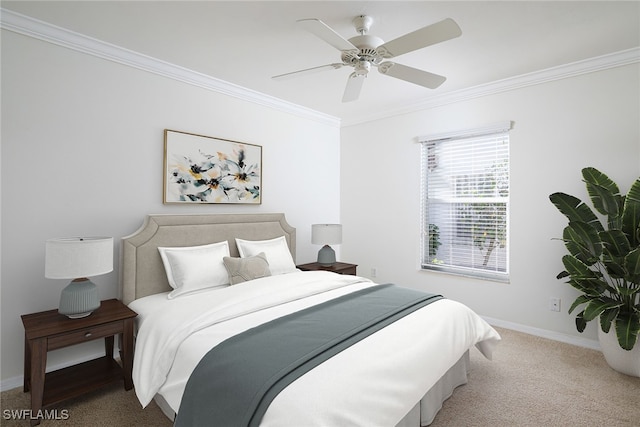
142 272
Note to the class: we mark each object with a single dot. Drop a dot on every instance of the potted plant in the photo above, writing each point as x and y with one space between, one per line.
604 264
434 241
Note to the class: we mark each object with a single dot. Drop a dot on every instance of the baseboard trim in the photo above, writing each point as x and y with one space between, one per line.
543 333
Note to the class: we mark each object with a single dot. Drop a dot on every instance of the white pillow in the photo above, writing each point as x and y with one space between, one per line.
194 268
276 250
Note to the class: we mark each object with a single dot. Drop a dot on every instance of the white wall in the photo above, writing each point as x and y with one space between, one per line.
82 154
559 128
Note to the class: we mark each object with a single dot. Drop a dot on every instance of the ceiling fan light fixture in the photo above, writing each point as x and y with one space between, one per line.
362 68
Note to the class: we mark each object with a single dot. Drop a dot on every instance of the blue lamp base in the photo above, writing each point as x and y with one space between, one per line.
79 299
326 256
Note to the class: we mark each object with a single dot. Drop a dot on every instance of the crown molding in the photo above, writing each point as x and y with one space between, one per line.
599 63
31 27
37 29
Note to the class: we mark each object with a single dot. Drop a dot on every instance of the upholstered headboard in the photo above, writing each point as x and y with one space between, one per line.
142 272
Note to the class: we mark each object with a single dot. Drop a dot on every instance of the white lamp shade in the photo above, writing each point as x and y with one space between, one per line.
326 234
78 257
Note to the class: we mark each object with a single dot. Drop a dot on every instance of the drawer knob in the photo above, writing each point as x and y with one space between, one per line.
88 334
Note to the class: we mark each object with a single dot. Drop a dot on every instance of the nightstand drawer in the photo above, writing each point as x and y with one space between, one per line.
82 335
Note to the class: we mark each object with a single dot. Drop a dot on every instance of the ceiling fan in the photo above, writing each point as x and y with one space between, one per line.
365 51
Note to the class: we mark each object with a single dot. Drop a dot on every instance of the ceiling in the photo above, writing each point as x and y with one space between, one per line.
246 43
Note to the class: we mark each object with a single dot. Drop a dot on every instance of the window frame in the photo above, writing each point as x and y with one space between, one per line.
428 161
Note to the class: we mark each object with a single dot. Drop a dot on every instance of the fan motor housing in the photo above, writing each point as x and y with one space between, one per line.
366 41
367 50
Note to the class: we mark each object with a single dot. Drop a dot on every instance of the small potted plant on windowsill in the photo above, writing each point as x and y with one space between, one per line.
604 265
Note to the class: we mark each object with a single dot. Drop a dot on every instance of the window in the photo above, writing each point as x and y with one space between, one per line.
465 202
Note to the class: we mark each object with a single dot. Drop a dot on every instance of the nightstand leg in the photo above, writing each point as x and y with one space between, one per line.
126 353
38 357
108 346
27 364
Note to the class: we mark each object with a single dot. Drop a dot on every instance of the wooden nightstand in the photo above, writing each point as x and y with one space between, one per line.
338 267
50 330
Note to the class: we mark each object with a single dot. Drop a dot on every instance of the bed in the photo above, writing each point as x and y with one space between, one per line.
397 376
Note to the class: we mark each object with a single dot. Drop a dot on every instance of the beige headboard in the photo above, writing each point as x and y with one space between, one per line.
141 270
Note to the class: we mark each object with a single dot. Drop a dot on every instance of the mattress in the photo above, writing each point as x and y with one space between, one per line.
381 380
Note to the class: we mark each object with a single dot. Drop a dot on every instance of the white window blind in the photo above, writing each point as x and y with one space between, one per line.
465 200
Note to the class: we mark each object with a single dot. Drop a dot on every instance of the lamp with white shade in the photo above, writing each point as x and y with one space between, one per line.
78 258
326 234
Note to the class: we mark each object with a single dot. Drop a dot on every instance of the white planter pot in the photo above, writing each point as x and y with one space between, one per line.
626 362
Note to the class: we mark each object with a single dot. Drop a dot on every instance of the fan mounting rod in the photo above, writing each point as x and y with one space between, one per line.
364 41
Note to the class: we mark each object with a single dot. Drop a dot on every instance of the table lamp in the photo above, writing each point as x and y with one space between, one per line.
78 258
326 234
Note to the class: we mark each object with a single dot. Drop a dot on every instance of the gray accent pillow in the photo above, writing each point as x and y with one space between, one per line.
245 269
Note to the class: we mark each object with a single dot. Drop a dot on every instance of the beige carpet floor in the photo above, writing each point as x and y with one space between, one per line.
531 382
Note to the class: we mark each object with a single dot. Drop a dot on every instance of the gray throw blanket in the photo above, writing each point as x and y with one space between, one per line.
235 382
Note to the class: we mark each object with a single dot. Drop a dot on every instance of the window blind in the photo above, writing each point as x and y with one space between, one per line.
465 203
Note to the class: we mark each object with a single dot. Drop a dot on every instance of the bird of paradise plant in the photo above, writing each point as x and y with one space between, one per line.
604 259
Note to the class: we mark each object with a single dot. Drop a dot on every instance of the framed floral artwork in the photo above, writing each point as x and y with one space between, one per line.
204 169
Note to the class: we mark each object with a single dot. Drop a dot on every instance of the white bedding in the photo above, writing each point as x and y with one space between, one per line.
375 382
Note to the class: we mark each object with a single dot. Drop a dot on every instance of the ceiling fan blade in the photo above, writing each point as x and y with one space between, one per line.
354 86
307 71
412 75
326 33
427 36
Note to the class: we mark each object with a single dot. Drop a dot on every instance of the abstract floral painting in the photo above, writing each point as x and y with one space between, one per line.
203 169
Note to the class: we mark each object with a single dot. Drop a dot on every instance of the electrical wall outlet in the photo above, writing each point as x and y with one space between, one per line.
554 304
374 272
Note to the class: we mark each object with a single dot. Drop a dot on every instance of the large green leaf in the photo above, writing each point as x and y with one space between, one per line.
608 204
631 214
597 306
585 287
632 265
582 241
593 176
614 266
575 210
602 191
576 249
627 327
590 286
577 269
606 317
581 324
582 299
616 242
615 248
583 278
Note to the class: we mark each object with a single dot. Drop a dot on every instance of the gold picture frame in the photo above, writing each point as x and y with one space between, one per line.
203 169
